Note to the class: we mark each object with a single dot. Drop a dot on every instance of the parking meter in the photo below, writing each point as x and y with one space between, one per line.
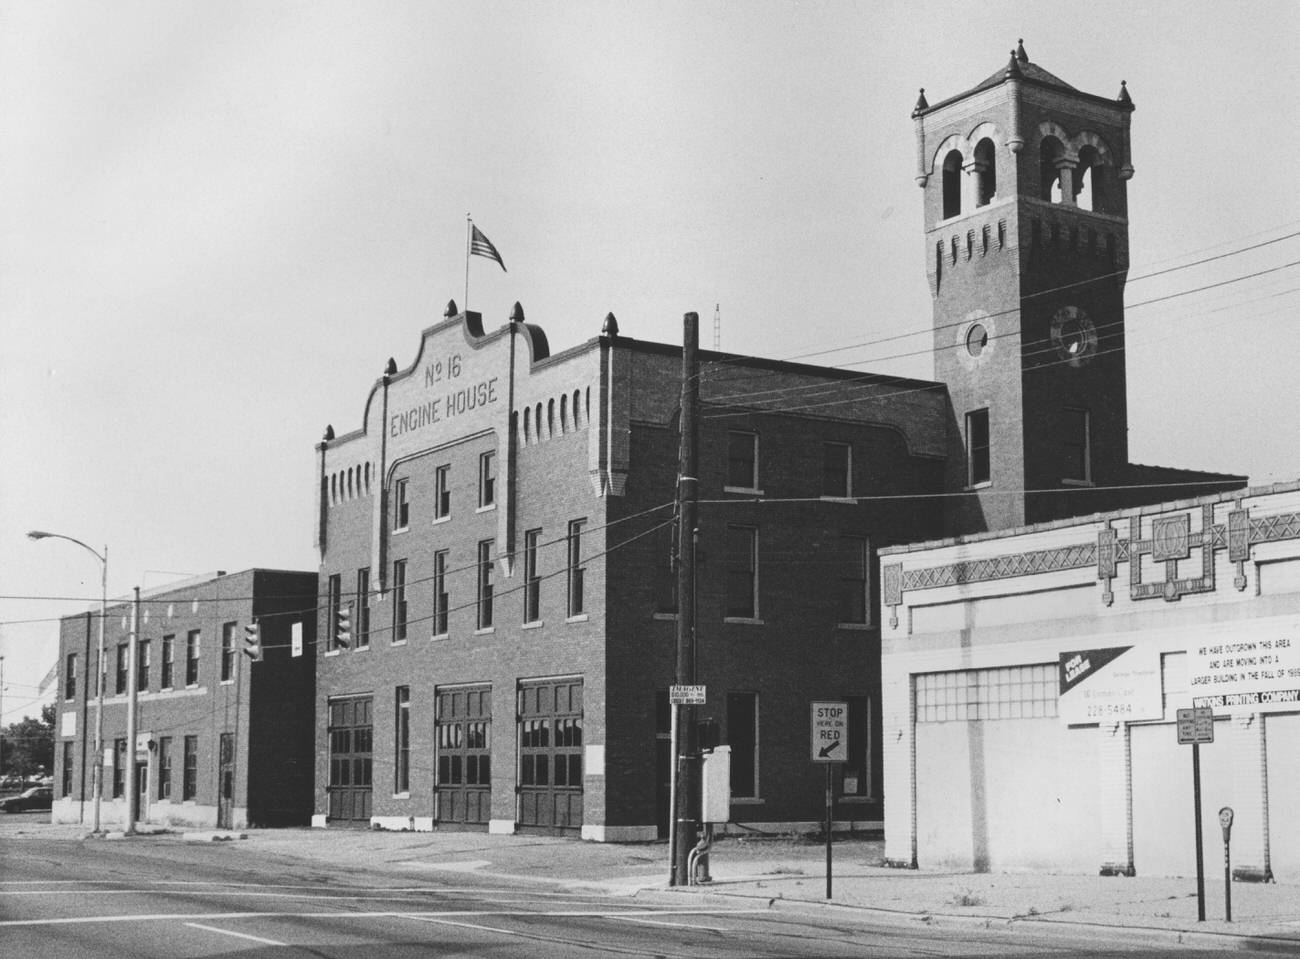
1225 821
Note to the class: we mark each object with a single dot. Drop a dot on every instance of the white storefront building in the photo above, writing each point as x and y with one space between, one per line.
1031 681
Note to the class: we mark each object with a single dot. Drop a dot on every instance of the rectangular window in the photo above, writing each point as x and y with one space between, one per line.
440 593
742 460
857 779
192 642
399 601
577 571
1076 441
837 464
742 734
70 677
402 726
1008 692
532 580
334 606
119 768
164 767
487 478
442 492
168 661
742 572
228 651
363 607
401 505
123 662
143 660
977 447
190 780
67 768
485 563
855 584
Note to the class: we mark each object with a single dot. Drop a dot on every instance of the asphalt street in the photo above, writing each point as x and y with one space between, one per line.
163 897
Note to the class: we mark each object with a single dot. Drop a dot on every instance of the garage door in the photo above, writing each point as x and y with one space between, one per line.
550 754
1002 783
1283 751
1164 831
464 737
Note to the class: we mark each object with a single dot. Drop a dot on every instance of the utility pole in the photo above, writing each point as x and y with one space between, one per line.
684 747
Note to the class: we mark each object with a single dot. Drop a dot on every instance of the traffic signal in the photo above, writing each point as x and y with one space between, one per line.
253 642
343 628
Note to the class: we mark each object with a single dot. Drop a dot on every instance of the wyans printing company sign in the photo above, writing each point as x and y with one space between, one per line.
1250 667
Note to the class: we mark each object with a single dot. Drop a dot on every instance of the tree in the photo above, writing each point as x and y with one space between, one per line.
29 745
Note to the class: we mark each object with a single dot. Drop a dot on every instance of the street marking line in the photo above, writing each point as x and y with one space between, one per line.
237 935
386 914
672 925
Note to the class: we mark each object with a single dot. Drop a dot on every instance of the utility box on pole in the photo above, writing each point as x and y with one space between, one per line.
715 804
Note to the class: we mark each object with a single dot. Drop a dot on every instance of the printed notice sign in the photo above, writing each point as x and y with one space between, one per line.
1110 685
830 732
1249 667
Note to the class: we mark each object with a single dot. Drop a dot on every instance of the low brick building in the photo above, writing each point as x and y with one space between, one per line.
221 740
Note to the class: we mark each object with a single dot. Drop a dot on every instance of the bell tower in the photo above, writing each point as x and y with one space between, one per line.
1026 227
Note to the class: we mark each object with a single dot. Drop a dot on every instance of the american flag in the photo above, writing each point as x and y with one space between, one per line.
479 245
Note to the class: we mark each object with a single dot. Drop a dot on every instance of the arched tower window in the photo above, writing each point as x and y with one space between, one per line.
537 422
528 425
564 413
1090 181
577 398
952 184
350 487
1050 151
986 178
550 417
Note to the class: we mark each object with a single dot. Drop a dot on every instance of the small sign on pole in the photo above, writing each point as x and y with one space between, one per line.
1196 725
830 728
687 695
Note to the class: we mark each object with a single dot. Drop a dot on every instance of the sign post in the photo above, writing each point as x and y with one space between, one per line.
1196 726
829 727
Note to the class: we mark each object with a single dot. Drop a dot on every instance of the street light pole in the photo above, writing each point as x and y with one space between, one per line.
98 768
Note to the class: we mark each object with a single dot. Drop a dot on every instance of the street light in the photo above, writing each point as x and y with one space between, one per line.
99 678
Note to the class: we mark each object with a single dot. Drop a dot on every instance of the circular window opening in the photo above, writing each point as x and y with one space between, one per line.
977 338
1074 337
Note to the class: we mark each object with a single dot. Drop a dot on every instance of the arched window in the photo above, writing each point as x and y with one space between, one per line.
576 402
952 184
1090 181
528 424
986 176
367 479
550 417
350 486
334 488
564 413
537 422
1049 177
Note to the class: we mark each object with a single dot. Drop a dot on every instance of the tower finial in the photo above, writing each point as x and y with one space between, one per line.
1123 94
1013 66
1020 51
921 104
451 309
610 326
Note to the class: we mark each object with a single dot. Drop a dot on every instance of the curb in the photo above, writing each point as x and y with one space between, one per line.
1175 936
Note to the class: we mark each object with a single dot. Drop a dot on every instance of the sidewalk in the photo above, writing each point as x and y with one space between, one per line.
789 870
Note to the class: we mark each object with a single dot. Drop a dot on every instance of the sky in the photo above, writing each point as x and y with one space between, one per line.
218 220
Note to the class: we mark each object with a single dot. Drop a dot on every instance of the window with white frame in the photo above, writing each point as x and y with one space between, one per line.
401 505
440 593
837 470
742 460
978 466
742 572
442 492
399 601
192 650
577 571
532 578
742 736
485 587
487 479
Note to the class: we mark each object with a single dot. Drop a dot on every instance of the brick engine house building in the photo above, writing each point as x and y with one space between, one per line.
497 609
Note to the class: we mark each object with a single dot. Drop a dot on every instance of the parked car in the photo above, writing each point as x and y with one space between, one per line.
38 797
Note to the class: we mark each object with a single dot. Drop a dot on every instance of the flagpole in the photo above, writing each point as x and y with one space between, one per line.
469 228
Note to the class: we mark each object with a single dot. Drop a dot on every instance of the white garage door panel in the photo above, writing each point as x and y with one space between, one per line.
1164 832
1006 794
1283 751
